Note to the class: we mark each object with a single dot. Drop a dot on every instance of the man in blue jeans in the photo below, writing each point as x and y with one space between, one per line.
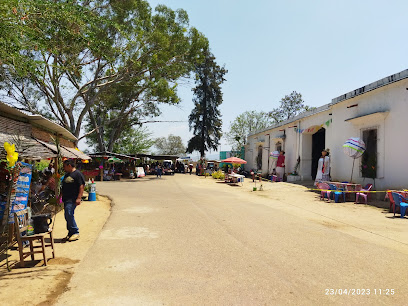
72 189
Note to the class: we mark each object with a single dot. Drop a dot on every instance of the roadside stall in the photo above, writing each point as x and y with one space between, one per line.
31 151
113 166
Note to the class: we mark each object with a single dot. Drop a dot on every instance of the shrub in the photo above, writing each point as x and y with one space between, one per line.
218 175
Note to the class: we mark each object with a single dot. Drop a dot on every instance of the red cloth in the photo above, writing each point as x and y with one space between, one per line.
281 161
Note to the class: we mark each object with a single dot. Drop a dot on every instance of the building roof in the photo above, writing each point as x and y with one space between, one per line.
36 120
111 154
301 116
372 86
357 92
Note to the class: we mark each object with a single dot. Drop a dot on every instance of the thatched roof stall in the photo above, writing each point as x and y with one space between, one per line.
33 135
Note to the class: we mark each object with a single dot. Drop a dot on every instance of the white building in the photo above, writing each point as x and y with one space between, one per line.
376 113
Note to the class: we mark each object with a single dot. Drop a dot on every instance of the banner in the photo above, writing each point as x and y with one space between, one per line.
314 128
19 199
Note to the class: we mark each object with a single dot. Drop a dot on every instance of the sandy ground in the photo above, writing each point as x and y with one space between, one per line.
188 240
39 285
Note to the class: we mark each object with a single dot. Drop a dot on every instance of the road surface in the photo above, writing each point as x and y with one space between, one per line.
187 240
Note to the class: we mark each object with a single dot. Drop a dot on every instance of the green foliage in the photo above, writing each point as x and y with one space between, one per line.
244 124
41 165
218 175
290 106
236 166
133 141
108 62
173 145
369 166
205 118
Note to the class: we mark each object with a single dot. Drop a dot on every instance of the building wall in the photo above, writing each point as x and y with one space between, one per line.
391 107
391 127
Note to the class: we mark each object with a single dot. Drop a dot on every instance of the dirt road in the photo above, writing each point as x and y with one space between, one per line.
188 240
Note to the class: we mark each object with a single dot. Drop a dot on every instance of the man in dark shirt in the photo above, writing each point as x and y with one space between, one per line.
72 189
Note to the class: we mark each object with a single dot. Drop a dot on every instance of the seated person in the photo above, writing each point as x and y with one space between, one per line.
48 186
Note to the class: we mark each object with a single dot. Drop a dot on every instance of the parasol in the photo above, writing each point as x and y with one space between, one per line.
355 148
234 160
115 160
274 154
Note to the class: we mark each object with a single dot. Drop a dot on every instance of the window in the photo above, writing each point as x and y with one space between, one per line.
369 159
278 146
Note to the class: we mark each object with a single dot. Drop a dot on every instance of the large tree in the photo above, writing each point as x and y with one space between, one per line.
244 124
290 106
205 118
172 145
71 58
134 141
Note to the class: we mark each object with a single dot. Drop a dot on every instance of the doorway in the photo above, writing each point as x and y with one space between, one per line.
318 145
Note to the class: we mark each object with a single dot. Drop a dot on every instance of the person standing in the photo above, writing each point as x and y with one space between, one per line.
72 189
323 167
190 167
280 166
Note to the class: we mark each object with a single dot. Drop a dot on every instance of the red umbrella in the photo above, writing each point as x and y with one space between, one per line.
234 160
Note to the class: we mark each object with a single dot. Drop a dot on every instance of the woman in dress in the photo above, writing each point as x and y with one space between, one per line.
323 167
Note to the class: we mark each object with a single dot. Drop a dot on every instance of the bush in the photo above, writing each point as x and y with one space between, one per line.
218 175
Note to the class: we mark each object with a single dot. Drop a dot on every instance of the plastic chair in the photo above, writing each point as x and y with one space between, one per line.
400 201
388 195
337 193
324 193
364 193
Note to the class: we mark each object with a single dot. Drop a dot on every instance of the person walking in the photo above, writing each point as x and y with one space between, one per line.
190 167
72 189
159 171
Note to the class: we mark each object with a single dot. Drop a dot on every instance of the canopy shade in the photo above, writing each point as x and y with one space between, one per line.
115 160
234 160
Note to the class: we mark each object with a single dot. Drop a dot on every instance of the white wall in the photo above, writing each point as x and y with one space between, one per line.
392 143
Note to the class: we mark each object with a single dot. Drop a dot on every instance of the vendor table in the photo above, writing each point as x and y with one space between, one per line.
347 187
236 178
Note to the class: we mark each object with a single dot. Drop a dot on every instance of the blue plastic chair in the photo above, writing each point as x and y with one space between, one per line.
400 201
337 193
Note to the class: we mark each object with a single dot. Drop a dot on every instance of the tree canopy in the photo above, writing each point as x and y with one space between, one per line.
289 106
172 145
205 118
106 62
244 124
250 121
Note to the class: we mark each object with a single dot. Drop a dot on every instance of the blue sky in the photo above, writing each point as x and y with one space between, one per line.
321 49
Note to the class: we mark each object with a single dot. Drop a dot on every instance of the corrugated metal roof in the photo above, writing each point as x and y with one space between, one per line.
37 120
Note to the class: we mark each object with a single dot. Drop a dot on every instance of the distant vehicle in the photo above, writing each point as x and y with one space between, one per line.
168 167
210 166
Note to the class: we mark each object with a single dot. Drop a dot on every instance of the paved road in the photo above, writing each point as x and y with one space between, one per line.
186 240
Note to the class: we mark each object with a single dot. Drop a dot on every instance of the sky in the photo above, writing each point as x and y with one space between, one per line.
321 49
